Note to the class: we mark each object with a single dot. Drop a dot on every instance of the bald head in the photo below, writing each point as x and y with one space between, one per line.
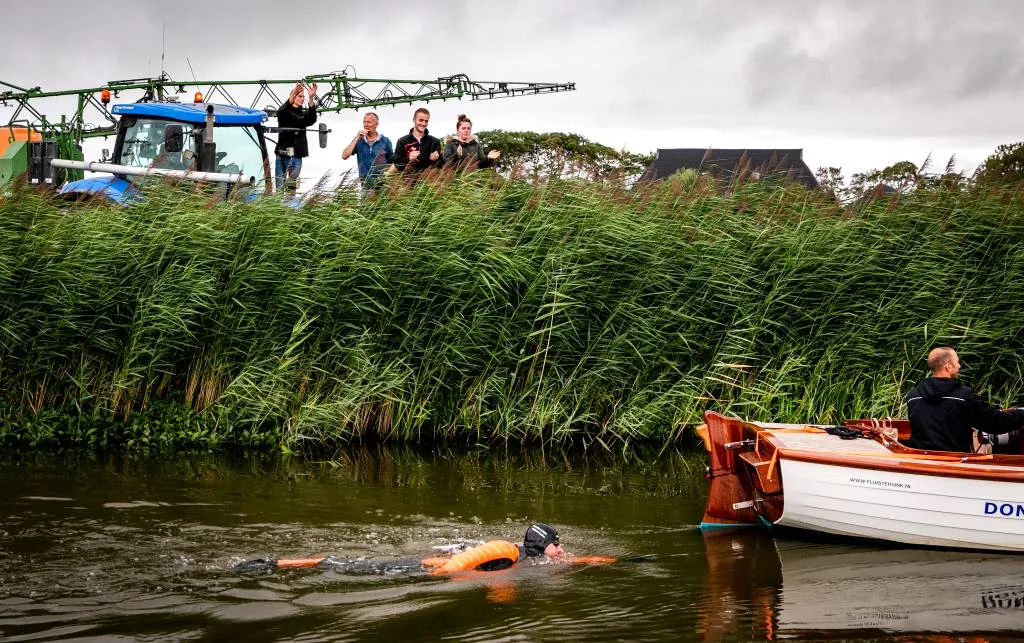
943 362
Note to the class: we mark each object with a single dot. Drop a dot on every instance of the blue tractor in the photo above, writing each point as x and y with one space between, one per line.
196 141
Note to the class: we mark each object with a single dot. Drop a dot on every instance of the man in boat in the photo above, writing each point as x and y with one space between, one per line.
943 411
540 544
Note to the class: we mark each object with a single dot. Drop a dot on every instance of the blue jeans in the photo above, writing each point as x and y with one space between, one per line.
291 165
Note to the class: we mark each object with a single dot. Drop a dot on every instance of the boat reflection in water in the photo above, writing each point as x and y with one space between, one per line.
816 589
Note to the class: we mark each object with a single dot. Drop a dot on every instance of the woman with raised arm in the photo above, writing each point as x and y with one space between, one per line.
464 151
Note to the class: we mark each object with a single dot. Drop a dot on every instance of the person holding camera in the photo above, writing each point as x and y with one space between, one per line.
374 152
464 151
944 413
293 117
418 150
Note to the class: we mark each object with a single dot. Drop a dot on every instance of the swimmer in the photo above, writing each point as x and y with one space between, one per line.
541 543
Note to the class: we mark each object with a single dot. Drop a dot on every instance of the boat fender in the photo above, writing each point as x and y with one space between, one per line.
490 556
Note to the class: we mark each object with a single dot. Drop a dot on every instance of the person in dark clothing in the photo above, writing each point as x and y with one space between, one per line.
464 152
541 543
943 411
291 146
418 150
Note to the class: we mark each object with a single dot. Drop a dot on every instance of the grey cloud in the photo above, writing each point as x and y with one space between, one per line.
948 69
920 51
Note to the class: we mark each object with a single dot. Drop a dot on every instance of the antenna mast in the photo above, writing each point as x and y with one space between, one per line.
163 50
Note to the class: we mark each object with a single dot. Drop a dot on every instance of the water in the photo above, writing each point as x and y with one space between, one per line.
142 549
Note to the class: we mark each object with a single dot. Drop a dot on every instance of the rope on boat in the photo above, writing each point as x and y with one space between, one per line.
848 433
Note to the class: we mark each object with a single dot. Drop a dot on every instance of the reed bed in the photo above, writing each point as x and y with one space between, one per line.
488 311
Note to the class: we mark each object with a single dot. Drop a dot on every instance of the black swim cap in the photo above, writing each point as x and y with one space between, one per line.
538 537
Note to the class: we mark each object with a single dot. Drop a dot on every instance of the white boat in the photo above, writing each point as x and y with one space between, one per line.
871 486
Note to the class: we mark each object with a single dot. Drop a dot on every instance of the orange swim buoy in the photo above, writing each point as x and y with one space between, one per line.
489 552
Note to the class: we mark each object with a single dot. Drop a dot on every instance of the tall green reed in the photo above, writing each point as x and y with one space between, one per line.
490 311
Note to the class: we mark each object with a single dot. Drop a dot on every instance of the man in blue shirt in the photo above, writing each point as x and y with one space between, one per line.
373 151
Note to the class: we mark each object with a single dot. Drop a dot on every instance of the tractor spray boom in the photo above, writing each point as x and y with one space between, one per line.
30 139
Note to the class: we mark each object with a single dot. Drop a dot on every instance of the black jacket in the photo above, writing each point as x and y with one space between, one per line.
426 145
473 156
290 116
943 411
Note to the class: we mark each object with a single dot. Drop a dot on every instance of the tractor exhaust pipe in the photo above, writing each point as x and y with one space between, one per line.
208 152
95 166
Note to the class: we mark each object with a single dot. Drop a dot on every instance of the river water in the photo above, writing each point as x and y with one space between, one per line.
100 548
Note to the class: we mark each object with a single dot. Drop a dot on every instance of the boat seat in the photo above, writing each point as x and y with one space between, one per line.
762 468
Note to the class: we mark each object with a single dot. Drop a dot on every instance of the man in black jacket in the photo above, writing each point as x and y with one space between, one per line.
418 150
293 119
943 411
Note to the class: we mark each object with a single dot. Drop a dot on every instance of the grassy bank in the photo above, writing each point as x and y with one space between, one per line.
487 311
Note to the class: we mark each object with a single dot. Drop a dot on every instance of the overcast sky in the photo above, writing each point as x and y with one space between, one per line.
857 84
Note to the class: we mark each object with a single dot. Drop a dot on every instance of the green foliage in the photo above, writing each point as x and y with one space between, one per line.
1004 167
160 426
896 179
557 155
831 181
492 311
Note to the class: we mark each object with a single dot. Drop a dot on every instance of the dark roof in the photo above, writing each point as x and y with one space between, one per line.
728 164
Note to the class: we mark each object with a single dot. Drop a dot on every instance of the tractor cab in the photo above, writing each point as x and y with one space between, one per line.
161 138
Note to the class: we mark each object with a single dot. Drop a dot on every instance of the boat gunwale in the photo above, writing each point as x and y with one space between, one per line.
900 459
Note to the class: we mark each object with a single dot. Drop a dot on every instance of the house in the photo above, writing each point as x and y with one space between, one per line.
728 165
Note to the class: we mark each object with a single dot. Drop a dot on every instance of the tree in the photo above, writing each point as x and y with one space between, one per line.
1005 166
831 181
559 155
898 178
